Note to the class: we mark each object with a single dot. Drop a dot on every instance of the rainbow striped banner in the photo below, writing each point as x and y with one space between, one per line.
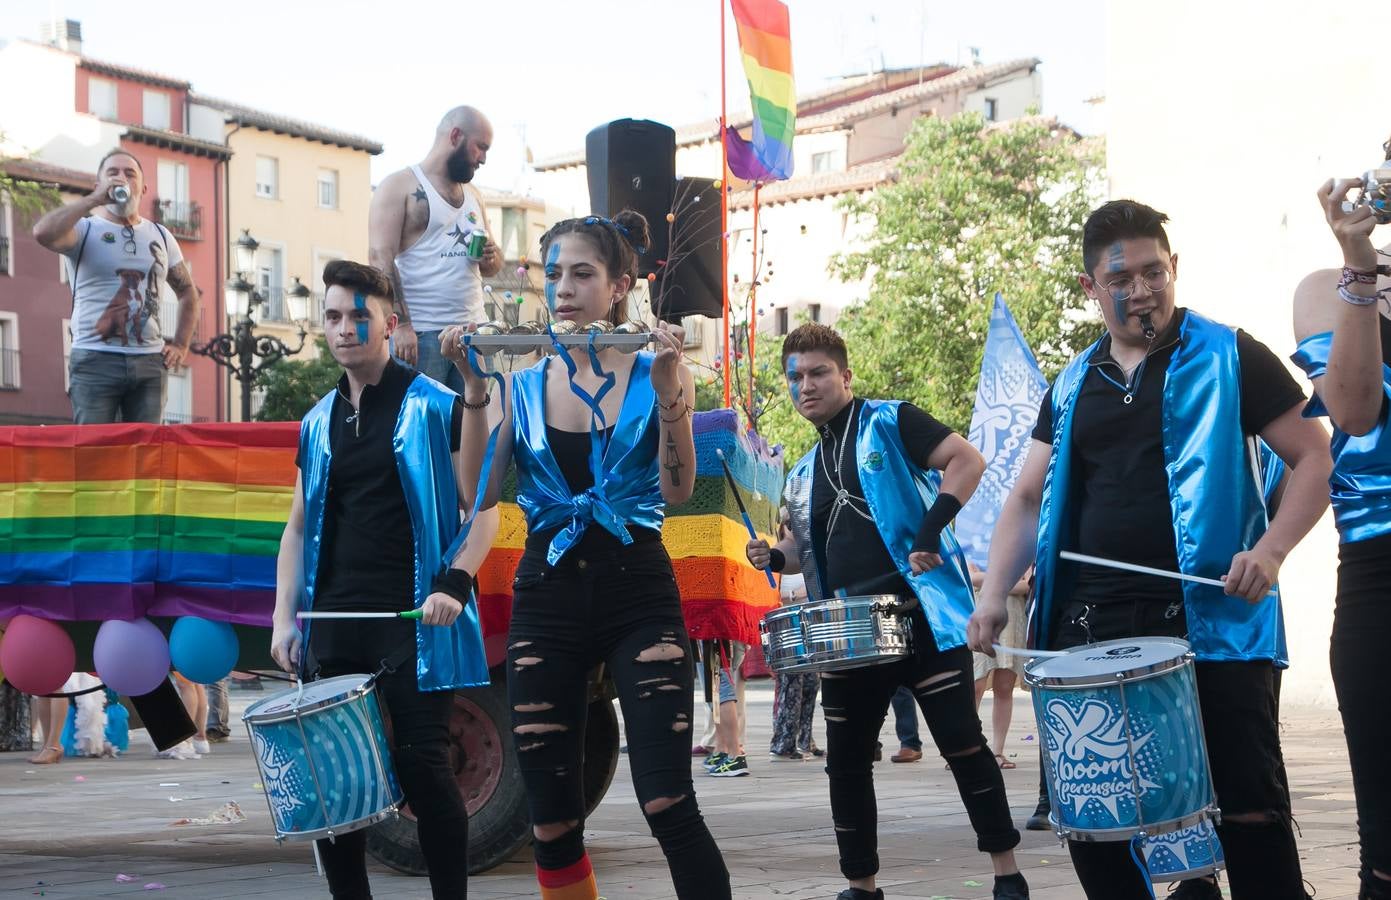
765 42
117 521
105 522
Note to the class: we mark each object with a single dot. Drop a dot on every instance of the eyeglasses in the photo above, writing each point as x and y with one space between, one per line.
1122 289
129 234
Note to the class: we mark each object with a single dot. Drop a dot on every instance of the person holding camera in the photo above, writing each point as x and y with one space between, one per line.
1344 334
118 266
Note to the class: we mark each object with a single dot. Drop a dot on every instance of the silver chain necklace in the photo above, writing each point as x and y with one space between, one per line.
843 498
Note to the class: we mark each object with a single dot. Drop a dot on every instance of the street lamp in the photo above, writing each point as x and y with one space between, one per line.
243 351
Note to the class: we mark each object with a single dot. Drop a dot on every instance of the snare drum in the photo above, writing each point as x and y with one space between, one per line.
324 758
1124 753
835 633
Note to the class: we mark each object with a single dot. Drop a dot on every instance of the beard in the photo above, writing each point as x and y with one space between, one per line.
459 167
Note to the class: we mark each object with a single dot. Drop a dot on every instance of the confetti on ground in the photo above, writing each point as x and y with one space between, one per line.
79 778
1028 737
972 883
224 816
154 886
124 879
170 784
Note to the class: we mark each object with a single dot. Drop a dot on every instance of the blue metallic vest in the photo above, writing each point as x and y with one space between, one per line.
1361 480
898 494
446 658
1215 494
628 490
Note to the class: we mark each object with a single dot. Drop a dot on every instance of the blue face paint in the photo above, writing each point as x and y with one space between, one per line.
360 301
793 386
1115 262
552 254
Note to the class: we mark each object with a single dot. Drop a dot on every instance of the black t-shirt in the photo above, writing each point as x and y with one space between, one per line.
367 554
1122 489
847 541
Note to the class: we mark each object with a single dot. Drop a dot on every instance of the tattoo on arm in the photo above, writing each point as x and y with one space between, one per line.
673 462
420 194
178 278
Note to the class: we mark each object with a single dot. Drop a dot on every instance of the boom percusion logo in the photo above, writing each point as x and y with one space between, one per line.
1092 756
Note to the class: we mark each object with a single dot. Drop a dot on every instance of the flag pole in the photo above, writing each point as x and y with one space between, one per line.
753 306
724 220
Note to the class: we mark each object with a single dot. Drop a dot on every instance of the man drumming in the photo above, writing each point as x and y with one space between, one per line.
1144 453
867 517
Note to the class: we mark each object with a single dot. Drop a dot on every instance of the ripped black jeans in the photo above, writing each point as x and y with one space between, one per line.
855 701
619 605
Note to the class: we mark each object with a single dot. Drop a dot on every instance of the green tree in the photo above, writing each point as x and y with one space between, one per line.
294 386
30 198
976 208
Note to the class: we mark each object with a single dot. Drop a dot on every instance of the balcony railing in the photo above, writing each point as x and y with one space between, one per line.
277 306
9 369
4 255
182 418
184 220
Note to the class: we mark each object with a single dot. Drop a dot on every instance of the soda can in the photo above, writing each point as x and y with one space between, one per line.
474 247
119 193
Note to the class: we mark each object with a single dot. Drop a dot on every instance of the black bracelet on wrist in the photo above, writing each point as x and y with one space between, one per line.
456 583
487 398
777 560
943 510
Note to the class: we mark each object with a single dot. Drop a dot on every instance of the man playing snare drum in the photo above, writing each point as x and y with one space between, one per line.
1143 454
376 508
867 517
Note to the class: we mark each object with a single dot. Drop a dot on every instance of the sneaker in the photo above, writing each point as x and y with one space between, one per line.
793 756
732 767
218 737
1195 889
182 750
857 894
714 760
812 751
700 750
201 747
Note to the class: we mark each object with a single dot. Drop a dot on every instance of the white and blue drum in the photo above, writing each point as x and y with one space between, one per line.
324 758
1124 754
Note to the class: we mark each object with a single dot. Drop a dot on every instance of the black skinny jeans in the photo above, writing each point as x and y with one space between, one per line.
1361 627
619 605
1240 704
855 701
420 750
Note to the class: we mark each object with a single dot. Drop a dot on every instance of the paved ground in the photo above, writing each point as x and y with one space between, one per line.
72 830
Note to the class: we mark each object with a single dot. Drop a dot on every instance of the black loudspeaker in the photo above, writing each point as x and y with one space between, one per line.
631 164
689 284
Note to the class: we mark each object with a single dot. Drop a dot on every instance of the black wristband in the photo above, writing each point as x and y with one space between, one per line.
777 561
454 582
929 537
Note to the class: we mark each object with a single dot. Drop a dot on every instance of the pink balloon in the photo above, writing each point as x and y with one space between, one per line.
36 655
131 657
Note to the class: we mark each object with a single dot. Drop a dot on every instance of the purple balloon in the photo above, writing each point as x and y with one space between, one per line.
131 657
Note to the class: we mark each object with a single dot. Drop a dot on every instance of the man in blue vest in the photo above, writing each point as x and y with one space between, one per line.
374 527
868 511
1144 454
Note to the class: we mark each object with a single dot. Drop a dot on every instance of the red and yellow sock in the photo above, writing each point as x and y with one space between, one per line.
574 882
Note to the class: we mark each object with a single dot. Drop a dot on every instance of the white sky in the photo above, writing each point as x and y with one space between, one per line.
547 71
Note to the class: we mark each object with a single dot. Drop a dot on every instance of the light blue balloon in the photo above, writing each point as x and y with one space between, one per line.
203 650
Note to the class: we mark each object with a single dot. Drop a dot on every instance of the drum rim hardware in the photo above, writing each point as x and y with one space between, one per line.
1138 673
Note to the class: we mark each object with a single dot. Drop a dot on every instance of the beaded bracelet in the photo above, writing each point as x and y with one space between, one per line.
1358 276
1348 296
676 418
487 398
680 395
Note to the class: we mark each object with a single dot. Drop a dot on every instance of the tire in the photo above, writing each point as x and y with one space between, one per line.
485 767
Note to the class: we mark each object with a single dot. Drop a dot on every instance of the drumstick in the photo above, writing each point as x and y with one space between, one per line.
1019 651
1144 570
408 614
748 523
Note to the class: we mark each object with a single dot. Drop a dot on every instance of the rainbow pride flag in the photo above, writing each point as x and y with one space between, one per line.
117 521
105 522
765 42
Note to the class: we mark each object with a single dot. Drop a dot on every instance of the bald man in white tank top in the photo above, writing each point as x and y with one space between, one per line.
419 225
